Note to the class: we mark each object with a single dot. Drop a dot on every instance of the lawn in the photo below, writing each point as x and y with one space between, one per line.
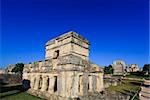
13 92
20 96
139 77
128 87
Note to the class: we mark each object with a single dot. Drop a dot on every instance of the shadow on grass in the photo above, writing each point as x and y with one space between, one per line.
7 90
10 88
136 83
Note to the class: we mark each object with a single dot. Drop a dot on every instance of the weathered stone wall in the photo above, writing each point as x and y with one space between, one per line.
119 67
67 72
70 84
116 96
111 82
75 77
10 78
70 43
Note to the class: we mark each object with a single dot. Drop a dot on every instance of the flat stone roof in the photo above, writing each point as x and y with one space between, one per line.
65 35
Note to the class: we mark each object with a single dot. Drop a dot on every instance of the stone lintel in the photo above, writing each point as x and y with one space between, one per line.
66 44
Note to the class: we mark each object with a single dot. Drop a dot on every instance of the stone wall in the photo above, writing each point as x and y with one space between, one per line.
116 96
66 84
111 82
68 43
10 78
66 73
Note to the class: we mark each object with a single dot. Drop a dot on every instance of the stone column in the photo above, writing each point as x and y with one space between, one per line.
84 85
29 77
69 84
25 76
94 82
51 84
81 85
75 86
59 85
32 82
63 84
99 83
90 84
44 83
37 82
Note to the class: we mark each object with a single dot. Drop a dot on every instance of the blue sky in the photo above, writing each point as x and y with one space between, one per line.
116 29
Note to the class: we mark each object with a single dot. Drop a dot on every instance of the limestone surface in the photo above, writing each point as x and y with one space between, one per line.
66 73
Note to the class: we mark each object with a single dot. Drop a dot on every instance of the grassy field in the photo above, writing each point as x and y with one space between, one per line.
139 77
20 96
128 87
13 92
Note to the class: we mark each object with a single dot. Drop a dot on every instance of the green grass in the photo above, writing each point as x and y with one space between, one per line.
13 92
10 85
140 77
21 96
128 87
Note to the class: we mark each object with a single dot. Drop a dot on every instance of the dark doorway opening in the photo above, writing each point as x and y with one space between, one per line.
47 84
40 82
55 84
88 86
80 80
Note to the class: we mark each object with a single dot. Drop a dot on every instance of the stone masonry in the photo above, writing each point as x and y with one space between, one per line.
66 73
119 67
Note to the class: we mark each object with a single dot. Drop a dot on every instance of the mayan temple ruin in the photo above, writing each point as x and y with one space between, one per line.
66 73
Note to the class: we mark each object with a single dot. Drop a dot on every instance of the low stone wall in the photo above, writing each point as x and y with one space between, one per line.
115 96
104 96
111 82
10 78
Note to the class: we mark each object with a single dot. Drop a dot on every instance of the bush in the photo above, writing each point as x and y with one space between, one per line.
18 68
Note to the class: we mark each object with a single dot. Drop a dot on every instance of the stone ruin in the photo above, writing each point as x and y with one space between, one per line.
119 67
66 73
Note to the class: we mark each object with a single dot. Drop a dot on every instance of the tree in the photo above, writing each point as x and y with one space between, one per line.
18 68
108 69
146 69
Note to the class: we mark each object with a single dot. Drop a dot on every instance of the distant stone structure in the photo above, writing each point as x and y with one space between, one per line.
133 68
2 71
66 73
9 69
119 67
9 77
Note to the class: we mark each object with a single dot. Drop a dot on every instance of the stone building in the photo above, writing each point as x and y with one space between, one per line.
66 73
134 68
2 71
119 67
9 69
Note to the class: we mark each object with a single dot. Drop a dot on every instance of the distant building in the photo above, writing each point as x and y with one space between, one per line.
119 67
128 68
140 69
2 71
10 68
134 68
